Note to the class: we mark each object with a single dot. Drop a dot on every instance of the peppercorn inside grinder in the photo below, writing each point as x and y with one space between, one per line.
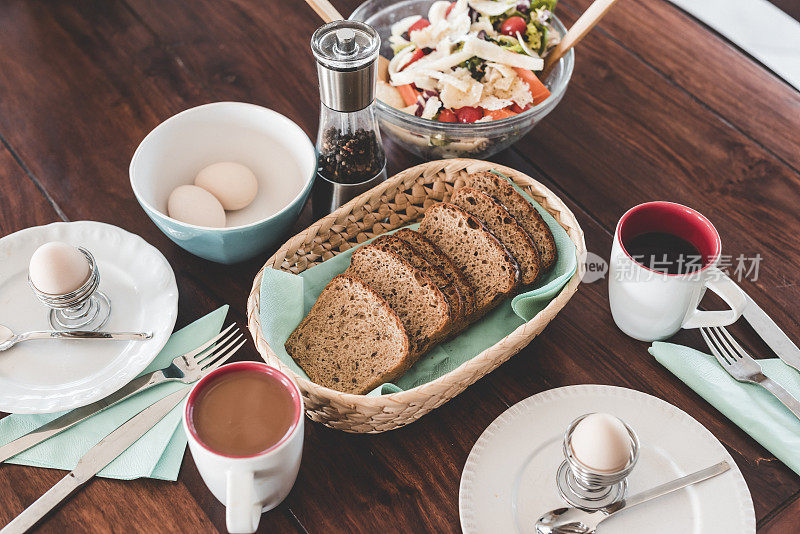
597 462
351 159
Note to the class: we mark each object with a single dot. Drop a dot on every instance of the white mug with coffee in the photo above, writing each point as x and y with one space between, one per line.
663 258
244 422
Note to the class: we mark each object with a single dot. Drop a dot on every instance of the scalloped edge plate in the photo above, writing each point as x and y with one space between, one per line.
509 477
54 375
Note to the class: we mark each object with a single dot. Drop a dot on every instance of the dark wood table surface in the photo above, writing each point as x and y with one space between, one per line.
659 107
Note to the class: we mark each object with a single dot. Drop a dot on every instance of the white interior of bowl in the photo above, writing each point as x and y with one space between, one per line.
272 146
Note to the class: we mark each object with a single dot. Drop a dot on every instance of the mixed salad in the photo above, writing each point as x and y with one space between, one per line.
470 60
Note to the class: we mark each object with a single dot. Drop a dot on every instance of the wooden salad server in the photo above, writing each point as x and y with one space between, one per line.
578 31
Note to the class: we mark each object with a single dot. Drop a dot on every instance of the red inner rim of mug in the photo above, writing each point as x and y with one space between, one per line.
285 381
671 218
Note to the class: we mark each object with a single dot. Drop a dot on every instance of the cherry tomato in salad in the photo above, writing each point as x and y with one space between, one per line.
469 114
516 109
512 25
421 23
447 115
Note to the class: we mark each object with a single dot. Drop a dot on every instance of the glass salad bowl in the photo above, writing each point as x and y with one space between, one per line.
432 139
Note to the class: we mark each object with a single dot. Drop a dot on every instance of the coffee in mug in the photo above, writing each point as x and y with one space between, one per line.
242 413
245 427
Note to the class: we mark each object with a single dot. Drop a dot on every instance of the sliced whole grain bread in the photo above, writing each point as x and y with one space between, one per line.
436 257
488 266
390 243
505 228
522 210
412 294
351 340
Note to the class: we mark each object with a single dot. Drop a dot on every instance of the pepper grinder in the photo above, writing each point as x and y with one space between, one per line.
600 451
351 159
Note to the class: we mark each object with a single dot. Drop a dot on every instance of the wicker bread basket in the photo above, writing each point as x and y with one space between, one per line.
399 201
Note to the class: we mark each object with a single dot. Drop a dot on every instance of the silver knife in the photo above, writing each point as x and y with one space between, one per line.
135 386
70 419
772 334
94 460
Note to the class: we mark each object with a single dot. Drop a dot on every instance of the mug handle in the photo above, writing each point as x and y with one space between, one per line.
242 513
729 291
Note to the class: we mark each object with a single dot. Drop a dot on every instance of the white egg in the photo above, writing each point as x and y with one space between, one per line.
57 268
234 185
195 205
601 442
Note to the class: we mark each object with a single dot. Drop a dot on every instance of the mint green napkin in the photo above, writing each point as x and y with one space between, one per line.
286 298
157 454
749 406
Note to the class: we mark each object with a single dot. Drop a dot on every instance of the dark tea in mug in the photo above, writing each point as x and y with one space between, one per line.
664 252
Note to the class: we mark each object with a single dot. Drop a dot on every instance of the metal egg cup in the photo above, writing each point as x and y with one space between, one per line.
85 308
589 489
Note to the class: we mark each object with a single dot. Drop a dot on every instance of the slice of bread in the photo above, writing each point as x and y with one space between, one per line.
351 340
412 294
522 210
436 257
390 243
504 227
488 266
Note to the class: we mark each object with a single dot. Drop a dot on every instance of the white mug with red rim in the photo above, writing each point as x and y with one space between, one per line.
249 485
649 305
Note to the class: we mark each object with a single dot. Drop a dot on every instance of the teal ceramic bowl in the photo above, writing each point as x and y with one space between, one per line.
276 149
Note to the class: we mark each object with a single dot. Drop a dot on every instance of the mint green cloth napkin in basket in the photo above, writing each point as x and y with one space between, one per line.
286 298
749 406
157 454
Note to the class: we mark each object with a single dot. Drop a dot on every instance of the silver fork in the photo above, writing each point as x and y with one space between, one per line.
741 366
186 368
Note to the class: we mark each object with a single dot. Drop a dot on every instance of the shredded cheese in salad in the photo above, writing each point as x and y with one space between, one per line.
470 60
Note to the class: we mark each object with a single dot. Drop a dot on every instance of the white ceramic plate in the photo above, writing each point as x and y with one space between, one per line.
509 478
47 376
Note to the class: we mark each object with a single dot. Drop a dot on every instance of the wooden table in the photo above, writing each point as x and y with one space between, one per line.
659 107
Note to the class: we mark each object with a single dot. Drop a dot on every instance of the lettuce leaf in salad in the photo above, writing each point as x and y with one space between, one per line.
545 31
535 37
509 43
398 46
547 4
497 20
476 67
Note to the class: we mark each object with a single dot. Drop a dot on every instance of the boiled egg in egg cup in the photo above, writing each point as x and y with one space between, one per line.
65 278
193 176
600 452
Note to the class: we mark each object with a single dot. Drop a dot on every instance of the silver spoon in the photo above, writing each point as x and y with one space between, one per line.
576 521
8 339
